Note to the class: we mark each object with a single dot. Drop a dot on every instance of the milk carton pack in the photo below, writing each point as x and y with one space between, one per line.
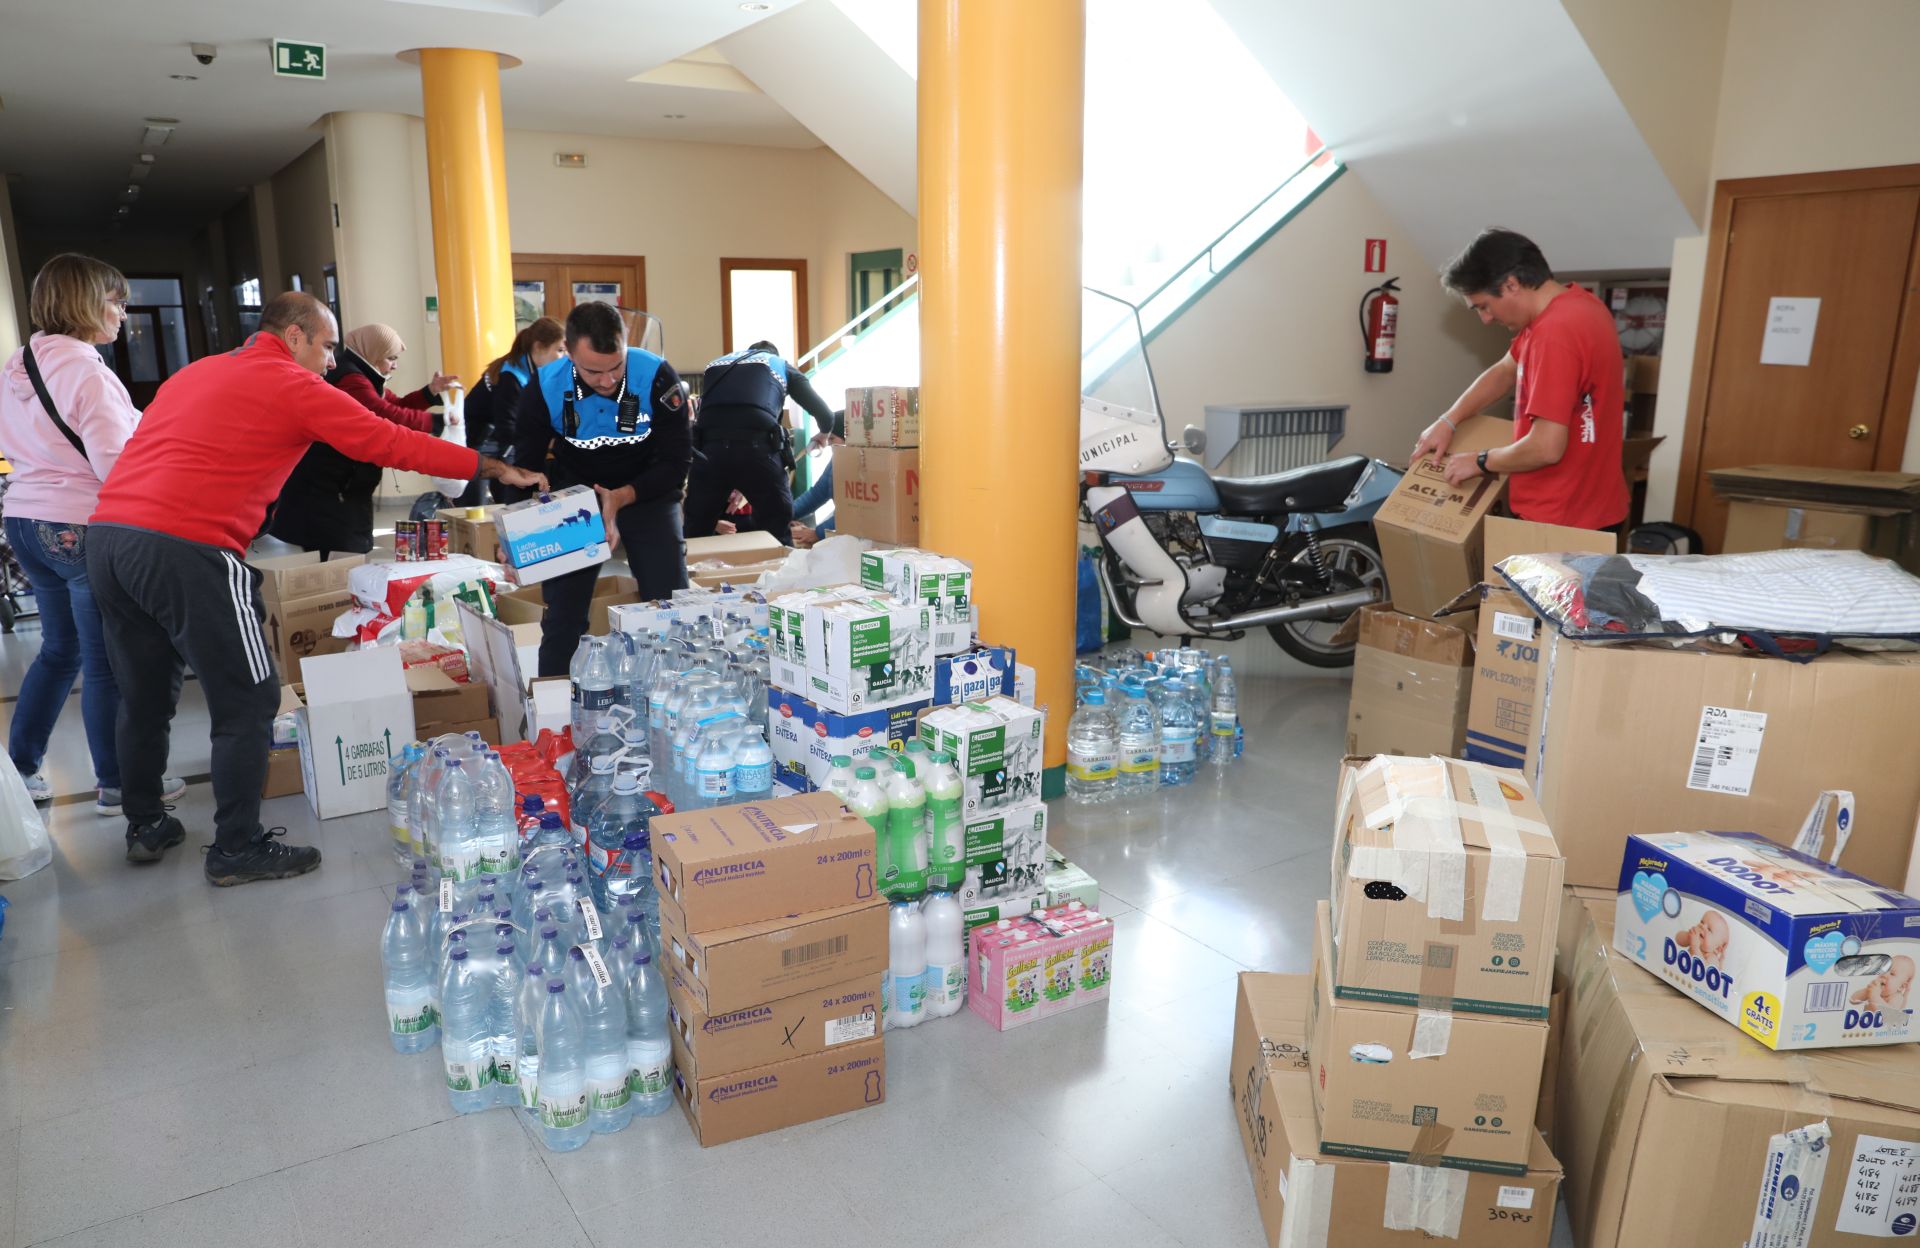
1043 964
973 674
938 582
995 744
551 534
1794 952
849 650
1006 855
805 737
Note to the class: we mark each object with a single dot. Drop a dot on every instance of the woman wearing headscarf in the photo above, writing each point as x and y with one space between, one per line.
327 504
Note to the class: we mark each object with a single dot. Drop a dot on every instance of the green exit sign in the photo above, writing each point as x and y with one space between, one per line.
299 60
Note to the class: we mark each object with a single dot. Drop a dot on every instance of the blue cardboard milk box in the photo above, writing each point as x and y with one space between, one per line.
552 534
973 675
805 737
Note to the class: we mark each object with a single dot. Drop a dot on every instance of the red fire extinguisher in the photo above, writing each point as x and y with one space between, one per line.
1379 315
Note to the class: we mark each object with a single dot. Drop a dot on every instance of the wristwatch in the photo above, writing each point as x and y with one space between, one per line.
1481 460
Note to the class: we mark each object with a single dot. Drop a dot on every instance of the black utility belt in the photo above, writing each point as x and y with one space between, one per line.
763 440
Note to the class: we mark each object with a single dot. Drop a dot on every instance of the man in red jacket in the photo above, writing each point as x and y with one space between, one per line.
165 558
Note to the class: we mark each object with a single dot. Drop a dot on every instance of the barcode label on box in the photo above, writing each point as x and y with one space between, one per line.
1515 1197
1726 750
1826 998
853 1027
813 952
1516 627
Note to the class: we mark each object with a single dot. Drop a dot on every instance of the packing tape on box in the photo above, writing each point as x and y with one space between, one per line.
1309 1200
1507 860
1430 1144
1790 1182
1432 1030
1428 858
1425 1198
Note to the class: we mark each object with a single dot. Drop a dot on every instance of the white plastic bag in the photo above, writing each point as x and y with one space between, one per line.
24 844
453 403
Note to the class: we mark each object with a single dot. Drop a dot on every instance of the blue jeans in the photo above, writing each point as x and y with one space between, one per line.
818 495
72 643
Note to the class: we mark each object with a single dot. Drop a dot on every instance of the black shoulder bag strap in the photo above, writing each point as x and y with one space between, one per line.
46 401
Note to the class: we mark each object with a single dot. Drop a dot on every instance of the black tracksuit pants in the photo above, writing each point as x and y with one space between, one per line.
651 540
166 602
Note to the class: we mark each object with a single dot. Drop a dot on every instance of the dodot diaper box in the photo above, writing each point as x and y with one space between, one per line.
1794 952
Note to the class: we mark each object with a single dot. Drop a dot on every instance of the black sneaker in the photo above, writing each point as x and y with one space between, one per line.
147 841
262 858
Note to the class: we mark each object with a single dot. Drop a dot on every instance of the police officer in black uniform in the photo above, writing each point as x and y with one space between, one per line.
743 445
615 418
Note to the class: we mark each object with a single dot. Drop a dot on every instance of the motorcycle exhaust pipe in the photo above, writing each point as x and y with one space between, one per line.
1332 607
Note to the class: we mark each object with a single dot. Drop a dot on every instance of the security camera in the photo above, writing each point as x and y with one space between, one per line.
204 52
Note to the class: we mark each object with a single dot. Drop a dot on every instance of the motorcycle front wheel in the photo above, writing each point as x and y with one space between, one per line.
1353 562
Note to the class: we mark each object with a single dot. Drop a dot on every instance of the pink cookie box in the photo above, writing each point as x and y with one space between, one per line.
1029 972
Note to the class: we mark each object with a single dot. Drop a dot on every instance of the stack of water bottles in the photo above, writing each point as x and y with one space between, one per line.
530 962
1148 720
695 698
915 814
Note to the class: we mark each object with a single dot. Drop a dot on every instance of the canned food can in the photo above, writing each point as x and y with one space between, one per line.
406 541
434 539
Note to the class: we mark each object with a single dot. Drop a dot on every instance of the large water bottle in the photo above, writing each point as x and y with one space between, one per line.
906 832
587 798
593 689
1225 714
411 1024
398 816
946 975
420 818
624 813
563 1072
752 767
496 823
621 660
907 964
533 995
840 779
659 689
464 1031
635 748
1179 734
714 770
946 833
603 1026
503 1017
869 801
1093 750
1139 743
457 830
604 740
649 1052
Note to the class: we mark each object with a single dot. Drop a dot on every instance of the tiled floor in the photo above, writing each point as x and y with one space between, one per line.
181 1065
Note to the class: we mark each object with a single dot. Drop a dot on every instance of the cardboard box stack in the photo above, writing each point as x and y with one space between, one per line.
775 937
806 738
1310 1197
941 584
1411 678
1433 967
850 650
303 596
876 475
1775 507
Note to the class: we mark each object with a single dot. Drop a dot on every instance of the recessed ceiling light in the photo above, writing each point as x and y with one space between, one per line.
755 6
184 77
674 116
146 158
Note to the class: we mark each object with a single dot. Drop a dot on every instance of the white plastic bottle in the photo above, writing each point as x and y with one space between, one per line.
1225 714
563 1072
946 974
907 945
714 769
840 780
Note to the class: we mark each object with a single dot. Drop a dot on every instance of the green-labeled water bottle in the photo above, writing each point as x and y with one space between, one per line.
907 829
869 801
946 841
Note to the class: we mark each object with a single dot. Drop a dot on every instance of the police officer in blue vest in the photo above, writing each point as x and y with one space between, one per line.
614 418
743 445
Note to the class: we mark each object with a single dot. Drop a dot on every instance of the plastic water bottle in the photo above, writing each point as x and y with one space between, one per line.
752 767
411 1024
495 822
397 810
658 690
906 832
593 689
533 995
1225 717
946 974
1093 751
602 740
1179 735
907 966
585 800
464 1047
946 835
456 828
1139 743
840 778
625 813
714 771
869 801
603 1025
503 1018
649 1052
424 777
563 1072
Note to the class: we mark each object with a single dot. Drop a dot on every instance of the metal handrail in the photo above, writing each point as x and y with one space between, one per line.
832 341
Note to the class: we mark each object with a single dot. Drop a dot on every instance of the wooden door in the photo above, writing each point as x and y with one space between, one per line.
1852 247
549 285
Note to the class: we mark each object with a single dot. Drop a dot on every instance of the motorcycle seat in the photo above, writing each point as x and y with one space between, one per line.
1317 487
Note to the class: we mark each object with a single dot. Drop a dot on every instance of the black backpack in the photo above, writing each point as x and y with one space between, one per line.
1663 538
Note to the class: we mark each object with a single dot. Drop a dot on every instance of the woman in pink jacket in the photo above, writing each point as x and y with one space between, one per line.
78 303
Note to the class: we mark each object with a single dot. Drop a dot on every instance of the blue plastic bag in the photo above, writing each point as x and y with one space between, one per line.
1090 609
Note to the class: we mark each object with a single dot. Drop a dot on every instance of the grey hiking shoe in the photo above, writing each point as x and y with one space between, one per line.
265 857
146 842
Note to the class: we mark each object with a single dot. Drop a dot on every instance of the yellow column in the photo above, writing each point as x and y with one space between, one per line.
1000 119
467 188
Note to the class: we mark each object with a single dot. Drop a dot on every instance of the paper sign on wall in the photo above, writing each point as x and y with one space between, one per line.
1789 333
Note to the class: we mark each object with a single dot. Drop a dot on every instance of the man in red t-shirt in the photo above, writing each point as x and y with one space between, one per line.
1564 370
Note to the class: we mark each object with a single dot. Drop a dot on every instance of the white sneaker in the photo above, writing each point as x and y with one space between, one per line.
37 787
108 802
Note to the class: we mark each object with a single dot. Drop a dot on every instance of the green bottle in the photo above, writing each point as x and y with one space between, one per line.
869 801
946 841
907 829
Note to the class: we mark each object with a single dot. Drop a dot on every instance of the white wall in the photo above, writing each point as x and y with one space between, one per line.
1803 88
302 219
1283 327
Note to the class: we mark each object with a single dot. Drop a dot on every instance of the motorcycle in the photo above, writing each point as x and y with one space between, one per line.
1189 554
